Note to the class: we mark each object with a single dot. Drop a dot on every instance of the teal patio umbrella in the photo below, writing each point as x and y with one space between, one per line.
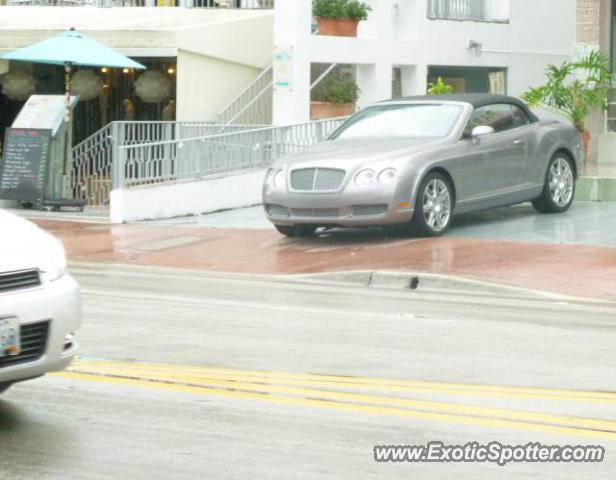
74 49
70 49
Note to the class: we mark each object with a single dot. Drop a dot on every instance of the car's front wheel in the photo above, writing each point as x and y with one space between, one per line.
434 206
4 387
559 186
296 230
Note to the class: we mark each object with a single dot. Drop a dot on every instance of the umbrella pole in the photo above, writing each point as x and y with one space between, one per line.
67 112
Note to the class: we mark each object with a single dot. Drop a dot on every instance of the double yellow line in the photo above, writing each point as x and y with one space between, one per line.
356 394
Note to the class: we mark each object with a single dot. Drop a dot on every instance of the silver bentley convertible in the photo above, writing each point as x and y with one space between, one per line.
420 160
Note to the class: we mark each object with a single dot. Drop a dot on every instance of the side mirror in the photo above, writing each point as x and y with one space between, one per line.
481 131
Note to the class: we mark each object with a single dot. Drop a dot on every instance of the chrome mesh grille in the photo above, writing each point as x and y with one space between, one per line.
328 179
367 210
317 179
303 179
315 212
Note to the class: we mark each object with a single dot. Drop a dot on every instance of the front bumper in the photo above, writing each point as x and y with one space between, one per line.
56 302
343 209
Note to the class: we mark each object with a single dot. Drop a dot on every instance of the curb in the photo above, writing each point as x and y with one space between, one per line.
374 279
399 280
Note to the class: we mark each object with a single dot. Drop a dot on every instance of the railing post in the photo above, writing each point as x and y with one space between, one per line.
117 162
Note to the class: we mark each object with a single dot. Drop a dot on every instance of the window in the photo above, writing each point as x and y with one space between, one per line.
412 120
500 117
520 117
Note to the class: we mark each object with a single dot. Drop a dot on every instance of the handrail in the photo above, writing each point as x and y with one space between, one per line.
256 89
191 159
95 159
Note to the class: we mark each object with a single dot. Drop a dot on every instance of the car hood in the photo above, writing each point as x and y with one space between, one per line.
360 151
22 244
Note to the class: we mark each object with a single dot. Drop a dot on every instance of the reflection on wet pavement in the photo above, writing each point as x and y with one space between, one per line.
590 223
571 253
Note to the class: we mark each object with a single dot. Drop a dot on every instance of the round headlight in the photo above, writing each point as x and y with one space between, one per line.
279 179
365 178
387 176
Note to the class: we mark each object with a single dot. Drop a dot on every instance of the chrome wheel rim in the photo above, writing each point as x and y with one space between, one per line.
436 205
560 182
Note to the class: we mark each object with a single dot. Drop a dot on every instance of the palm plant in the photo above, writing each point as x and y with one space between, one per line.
439 88
574 89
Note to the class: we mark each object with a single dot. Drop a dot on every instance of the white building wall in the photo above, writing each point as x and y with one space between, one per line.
399 33
205 85
219 51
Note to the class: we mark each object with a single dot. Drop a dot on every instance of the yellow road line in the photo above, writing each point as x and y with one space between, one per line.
481 411
351 407
400 385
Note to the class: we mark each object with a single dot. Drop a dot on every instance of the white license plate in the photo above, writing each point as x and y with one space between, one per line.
9 337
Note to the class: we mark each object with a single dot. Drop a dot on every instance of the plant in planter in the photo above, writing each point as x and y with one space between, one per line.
439 88
574 89
339 17
334 97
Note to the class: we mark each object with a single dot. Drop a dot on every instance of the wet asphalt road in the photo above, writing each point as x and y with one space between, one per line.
188 375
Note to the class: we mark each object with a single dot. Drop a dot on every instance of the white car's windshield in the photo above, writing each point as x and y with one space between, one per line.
406 120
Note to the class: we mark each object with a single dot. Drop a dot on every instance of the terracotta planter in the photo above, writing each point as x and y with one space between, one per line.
337 27
321 110
585 137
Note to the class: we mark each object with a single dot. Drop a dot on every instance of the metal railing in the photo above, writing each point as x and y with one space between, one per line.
243 4
197 158
253 105
93 158
473 10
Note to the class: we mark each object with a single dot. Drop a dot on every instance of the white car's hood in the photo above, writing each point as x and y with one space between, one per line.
22 244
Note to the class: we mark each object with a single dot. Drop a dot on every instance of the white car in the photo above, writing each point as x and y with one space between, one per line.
39 303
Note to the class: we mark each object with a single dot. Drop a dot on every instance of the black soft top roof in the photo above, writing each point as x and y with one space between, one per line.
475 99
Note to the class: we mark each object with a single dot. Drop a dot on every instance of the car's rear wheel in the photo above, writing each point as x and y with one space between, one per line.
559 187
4 387
434 208
296 230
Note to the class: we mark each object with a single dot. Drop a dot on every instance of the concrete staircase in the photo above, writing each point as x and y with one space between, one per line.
598 183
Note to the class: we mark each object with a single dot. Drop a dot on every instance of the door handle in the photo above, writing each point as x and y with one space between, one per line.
519 141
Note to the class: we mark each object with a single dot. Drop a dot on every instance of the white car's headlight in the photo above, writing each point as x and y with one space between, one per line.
387 176
55 261
365 178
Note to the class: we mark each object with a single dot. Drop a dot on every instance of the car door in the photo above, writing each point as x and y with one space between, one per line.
495 163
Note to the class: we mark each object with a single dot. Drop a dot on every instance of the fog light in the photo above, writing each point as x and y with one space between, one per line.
69 341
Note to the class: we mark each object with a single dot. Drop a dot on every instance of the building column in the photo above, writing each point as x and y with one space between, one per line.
374 83
292 30
414 80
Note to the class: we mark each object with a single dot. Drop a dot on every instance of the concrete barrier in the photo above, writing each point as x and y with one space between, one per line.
235 190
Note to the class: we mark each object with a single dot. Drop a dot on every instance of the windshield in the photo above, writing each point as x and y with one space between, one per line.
406 120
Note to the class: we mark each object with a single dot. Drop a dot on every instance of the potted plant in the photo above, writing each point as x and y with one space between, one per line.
339 17
334 97
574 89
439 88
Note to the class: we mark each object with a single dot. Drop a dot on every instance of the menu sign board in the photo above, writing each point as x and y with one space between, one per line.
24 162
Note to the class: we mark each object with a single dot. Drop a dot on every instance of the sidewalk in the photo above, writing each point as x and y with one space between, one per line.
571 269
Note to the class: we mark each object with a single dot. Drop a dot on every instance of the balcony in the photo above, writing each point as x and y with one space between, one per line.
496 11
233 4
